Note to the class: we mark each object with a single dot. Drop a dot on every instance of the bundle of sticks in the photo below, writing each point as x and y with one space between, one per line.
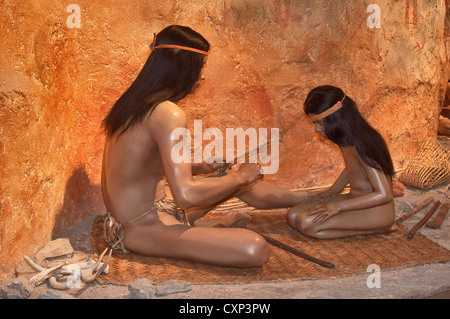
435 223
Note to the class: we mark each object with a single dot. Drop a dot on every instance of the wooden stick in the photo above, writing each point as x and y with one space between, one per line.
297 252
436 222
223 172
249 152
413 230
414 210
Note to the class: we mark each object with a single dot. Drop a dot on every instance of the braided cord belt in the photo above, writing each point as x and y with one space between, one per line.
113 232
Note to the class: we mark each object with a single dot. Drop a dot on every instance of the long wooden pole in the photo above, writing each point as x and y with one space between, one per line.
414 210
413 230
297 252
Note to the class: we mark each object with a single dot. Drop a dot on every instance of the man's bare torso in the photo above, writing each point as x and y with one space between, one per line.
131 173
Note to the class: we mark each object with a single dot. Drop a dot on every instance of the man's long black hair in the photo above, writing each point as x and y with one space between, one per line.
168 75
347 127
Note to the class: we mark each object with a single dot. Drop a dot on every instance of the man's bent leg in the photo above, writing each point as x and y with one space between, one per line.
233 247
264 195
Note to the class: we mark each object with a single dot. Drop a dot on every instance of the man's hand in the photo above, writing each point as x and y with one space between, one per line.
221 167
206 168
250 172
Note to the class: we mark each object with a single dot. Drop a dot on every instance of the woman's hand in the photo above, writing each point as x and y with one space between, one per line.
324 211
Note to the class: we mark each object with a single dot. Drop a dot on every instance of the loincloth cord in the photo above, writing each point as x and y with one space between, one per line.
113 232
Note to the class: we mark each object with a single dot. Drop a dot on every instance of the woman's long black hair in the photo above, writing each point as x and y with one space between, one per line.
347 127
168 75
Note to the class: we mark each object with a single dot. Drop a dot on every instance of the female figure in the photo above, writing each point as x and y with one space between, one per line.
369 206
137 157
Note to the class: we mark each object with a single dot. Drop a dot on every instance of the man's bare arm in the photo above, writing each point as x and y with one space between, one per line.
207 168
186 191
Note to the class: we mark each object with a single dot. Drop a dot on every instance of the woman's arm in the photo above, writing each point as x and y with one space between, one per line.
186 191
340 183
328 193
381 194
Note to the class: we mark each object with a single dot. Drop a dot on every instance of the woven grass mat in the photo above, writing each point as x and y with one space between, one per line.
351 255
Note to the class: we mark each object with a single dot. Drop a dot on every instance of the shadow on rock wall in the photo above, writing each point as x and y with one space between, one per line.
81 200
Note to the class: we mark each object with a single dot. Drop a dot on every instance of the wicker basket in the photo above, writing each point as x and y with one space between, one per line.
430 166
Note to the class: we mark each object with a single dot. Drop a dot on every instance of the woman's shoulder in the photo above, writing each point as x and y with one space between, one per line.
351 155
349 150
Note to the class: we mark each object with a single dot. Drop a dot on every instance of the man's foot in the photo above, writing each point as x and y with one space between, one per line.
230 220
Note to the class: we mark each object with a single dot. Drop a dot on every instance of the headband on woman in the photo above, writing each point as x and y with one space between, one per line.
329 111
153 46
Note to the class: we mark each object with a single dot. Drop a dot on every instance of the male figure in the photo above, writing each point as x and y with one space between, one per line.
137 156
